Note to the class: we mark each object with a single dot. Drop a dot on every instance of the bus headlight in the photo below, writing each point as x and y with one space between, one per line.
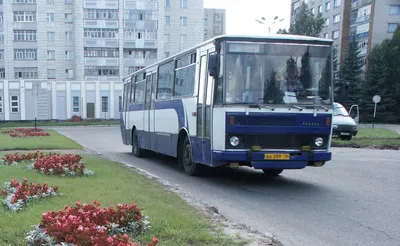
319 142
234 141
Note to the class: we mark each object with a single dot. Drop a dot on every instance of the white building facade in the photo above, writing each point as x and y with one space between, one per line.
83 48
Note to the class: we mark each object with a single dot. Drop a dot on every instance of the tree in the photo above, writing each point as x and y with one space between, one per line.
305 23
351 74
375 84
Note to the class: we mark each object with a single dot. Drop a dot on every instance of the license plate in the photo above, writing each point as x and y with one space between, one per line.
345 133
277 156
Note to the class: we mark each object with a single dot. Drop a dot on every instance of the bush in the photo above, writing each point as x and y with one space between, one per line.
18 194
90 225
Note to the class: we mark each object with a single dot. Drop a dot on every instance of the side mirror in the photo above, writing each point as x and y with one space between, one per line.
213 65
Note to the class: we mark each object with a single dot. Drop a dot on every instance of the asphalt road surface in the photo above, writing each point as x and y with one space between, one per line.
353 200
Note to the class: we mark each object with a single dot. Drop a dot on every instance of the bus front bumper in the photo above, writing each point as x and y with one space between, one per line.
272 159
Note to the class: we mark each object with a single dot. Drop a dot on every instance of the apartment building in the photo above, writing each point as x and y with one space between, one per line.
214 23
67 57
371 21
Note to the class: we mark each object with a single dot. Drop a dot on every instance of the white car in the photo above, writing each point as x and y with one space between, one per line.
344 126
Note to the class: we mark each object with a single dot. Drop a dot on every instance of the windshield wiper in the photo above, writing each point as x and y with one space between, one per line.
323 107
298 107
255 105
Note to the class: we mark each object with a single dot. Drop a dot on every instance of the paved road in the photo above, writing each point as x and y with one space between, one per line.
354 200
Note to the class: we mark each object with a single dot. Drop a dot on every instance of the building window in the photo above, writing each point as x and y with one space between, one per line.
320 9
51 73
50 1
119 103
24 1
336 3
183 38
25 36
50 17
327 21
14 104
184 4
68 36
68 18
326 35
183 21
2 73
1 104
25 54
101 52
51 55
335 34
327 6
24 16
336 19
110 33
68 2
25 73
394 9
75 104
69 55
104 104
1 17
51 36
166 38
101 14
101 71
392 27
167 20
313 11
1 55
168 3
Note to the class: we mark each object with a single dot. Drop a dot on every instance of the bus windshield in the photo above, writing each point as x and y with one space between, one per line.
273 73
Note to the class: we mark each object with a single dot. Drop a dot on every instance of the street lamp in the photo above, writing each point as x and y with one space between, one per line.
263 22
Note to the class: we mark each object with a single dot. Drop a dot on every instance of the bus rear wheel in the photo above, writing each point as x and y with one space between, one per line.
270 173
136 150
185 159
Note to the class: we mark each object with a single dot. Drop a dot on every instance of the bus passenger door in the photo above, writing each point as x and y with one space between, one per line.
207 139
123 114
152 112
146 113
198 151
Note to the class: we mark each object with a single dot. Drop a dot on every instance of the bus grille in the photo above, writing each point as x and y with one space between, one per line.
274 141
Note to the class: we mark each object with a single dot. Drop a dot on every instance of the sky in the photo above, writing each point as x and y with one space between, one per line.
241 15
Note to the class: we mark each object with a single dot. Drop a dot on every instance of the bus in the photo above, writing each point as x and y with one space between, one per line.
265 102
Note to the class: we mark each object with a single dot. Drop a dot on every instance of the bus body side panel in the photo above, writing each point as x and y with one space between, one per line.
135 119
170 117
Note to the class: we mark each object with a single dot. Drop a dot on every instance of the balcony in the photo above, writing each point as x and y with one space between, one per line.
101 78
360 19
141 5
100 23
138 62
360 3
137 24
140 44
102 61
101 42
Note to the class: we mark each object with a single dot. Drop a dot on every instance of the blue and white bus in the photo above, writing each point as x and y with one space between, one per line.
262 102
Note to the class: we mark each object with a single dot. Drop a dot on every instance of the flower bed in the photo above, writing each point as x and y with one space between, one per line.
26 132
61 165
90 225
13 159
17 195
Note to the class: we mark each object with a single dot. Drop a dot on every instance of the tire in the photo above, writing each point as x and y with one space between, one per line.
136 151
185 159
271 173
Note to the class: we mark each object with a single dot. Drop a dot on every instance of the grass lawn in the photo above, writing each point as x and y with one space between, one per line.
368 137
54 141
173 221
60 123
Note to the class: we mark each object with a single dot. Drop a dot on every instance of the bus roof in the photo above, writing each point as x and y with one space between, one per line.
247 38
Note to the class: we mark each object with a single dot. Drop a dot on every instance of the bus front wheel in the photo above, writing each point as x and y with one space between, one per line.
272 172
185 159
136 150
